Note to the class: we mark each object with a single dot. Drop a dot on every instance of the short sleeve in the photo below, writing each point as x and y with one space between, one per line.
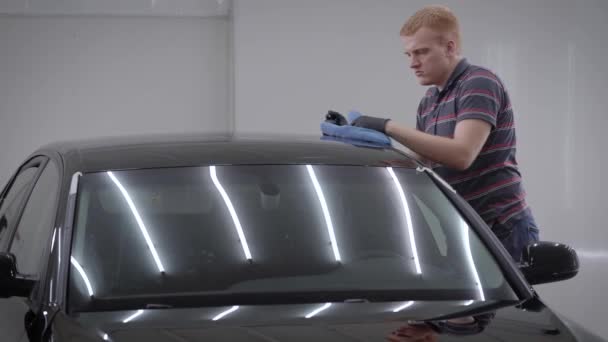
480 97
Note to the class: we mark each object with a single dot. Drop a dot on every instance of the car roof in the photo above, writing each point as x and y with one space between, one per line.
177 150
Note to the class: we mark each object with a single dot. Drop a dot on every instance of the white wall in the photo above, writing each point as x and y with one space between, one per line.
296 59
97 72
181 8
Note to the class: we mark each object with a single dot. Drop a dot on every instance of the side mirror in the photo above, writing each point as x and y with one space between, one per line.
547 262
11 285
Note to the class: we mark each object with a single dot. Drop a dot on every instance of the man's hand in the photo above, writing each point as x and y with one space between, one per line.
335 118
377 124
413 333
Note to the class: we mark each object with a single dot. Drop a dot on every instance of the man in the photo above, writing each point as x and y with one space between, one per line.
465 127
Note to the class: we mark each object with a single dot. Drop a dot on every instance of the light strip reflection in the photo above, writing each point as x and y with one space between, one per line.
53 239
468 302
467 248
315 312
59 249
330 226
408 218
140 222
133 316
227 312
83 275
404 306
235 218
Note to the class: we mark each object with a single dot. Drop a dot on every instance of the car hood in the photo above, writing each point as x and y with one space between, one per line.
321 322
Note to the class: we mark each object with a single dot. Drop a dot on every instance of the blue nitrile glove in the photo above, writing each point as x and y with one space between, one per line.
370 122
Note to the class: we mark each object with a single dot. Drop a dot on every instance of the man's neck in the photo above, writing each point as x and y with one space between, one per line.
449 73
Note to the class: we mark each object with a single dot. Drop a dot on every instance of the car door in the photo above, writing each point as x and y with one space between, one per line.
27 214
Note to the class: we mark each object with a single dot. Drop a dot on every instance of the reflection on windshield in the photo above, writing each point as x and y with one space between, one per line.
354 232
235 217
83 275
408 217
53 239
140 222
326 215
467 249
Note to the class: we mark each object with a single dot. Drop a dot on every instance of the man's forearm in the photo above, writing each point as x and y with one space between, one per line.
442 150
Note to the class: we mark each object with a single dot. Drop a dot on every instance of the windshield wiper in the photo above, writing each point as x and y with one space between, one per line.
158 306
473 310
202 299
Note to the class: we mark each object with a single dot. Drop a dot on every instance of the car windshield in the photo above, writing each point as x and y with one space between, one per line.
247 230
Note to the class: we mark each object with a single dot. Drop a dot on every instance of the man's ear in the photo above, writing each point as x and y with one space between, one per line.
451 49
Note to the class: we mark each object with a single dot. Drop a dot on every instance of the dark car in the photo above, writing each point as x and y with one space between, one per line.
183 238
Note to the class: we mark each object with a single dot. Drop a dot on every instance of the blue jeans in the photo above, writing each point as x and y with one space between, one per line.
517 233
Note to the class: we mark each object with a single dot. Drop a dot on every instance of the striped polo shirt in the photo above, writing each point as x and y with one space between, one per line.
492 184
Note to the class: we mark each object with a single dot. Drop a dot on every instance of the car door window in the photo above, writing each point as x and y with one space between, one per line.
34 228
12 201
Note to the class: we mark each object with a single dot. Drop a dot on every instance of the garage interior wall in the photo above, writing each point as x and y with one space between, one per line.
80 69
296 59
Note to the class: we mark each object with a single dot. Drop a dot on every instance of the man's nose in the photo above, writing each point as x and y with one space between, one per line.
414 63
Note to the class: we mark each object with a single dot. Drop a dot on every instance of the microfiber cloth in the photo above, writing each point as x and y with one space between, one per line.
358 143
355 134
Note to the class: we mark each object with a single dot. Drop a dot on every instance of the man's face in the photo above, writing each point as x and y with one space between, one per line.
429 56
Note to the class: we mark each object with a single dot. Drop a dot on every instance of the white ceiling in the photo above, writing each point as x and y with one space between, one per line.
178 8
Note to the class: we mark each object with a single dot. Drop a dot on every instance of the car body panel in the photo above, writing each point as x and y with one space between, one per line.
45 313
339 322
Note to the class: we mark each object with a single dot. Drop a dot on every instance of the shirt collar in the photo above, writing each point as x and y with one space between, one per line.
460 68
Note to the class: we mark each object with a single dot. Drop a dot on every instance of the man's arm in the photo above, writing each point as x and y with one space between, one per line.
457 153
479 101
